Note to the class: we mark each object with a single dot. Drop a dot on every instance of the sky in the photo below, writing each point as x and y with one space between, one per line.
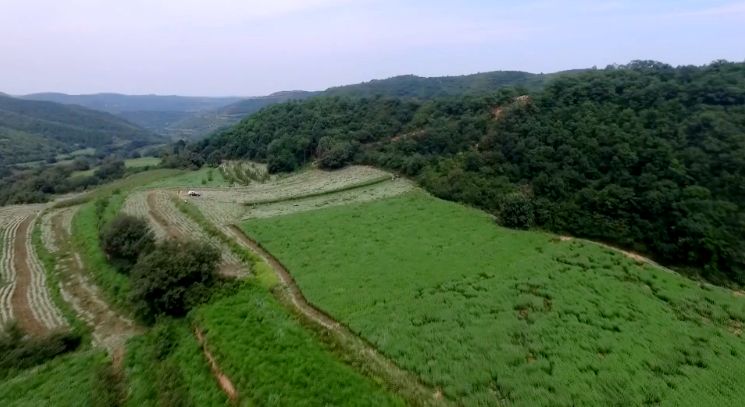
256 47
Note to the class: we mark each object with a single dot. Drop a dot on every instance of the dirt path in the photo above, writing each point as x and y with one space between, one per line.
416 392
226 385
171 231
20 298
109 329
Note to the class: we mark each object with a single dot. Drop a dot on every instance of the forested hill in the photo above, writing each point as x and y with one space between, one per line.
33 130
412 86
645 156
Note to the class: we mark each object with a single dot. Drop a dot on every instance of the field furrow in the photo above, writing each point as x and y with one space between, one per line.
38 295
170 218
136 205
7 272
110 330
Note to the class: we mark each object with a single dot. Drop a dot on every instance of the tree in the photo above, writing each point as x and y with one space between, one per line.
517 212
125 238
173 278
110 169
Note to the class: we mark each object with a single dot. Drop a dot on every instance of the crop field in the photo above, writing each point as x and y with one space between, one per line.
273 360
303 184
24 294
64 381
496 316
244 172
206 177
109 329
166 217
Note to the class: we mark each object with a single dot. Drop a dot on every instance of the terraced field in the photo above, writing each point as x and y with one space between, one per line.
110 330
24 296
168 221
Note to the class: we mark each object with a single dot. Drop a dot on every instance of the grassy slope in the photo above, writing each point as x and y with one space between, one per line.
492 314
149 378
273 360
64 381
210 177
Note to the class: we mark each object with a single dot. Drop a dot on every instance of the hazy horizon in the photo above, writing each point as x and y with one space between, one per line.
232 48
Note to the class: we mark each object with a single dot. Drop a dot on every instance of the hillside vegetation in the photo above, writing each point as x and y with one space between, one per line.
33 130
412 86
645 156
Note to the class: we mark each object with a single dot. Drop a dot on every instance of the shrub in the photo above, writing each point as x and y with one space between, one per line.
18 351
517 212
125 238
172 278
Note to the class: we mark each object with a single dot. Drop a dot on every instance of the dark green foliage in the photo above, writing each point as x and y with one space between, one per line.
517 212
55 128
645 156
172 278
125 238
110 170
18 351
411 86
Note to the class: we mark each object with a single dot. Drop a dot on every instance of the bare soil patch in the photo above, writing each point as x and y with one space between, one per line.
20 300
226 385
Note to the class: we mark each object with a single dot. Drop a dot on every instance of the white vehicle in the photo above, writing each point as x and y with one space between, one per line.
193 193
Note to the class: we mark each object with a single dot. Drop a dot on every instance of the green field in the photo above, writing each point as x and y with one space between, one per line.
210 177
492 315
167 362
142 162
274 361
64 381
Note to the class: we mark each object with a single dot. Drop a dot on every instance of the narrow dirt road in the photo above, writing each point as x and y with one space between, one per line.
110 330
416 392
226 385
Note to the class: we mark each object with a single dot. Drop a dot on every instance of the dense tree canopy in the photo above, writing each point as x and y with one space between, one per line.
173 277
646 156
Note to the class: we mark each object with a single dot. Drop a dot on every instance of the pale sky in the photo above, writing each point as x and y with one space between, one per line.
244 47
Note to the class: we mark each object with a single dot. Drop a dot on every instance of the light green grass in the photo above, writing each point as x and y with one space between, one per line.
142 162
86 240
205 177
274 361
65 381
165 359
494 316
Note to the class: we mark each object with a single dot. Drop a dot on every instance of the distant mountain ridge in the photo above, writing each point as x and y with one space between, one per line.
117 103
35 130
188 117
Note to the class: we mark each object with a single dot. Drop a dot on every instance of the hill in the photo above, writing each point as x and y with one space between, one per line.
117 103
34 130
199 124
645 156
431 87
